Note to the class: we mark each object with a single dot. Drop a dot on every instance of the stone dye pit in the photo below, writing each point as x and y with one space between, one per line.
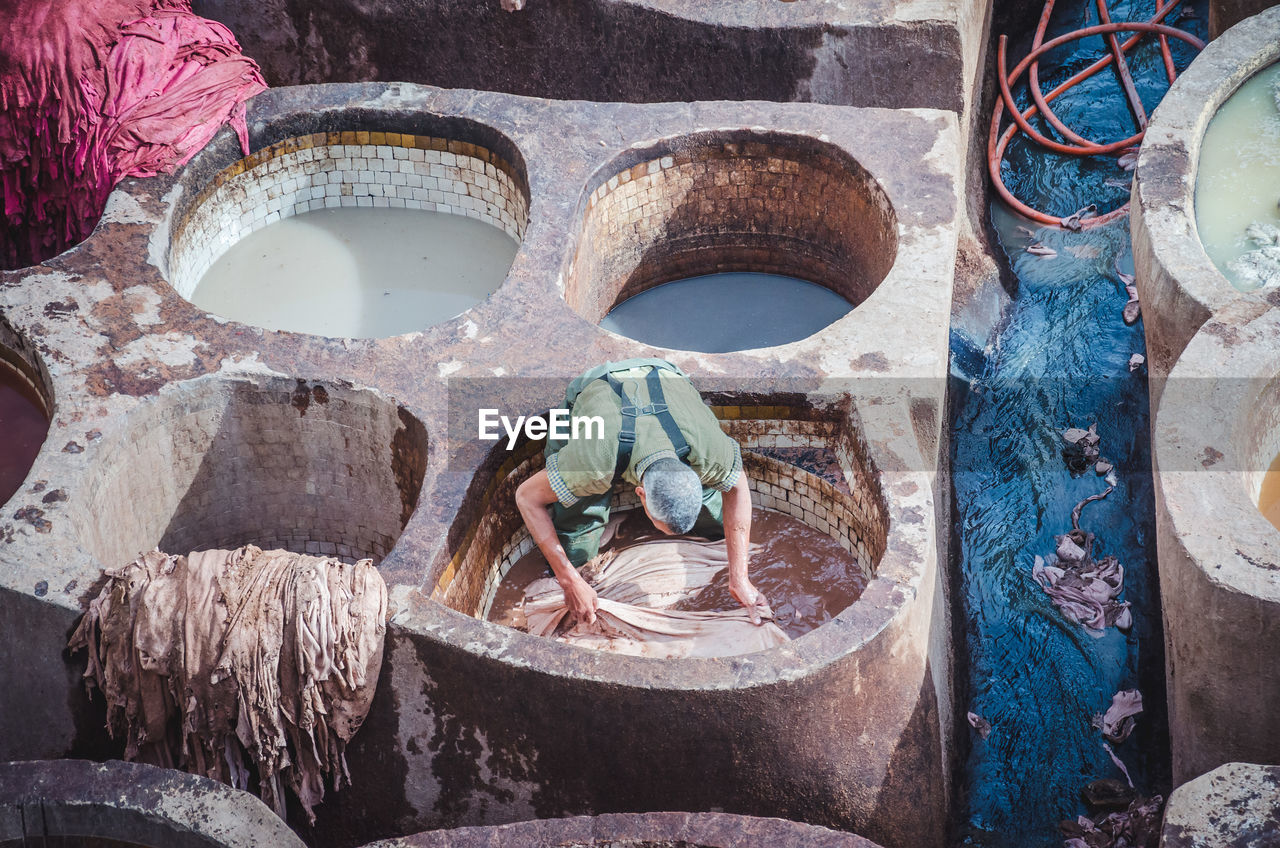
1179 285
79 804
774 204
806 575
175 426
1214 431
1238 180
753 310
837 499
352 233
24 411
306 467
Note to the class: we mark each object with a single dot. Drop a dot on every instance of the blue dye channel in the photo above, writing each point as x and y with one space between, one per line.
1059 359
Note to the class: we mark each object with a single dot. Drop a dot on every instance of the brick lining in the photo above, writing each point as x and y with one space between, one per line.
345 169
857 519
778 204
221 463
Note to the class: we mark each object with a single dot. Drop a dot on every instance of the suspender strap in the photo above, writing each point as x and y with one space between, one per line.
630 412
627 435
658 406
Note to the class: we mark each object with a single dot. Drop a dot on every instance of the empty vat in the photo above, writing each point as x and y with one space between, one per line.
1216 436
311 467
69 803
352 233
736 206
25 406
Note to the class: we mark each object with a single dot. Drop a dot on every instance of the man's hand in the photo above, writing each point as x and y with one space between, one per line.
580 598
533 496
751 598
737 532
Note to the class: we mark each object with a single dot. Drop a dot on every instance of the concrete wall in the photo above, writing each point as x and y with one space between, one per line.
823 51
1213 365
42 802
653 830
1224 14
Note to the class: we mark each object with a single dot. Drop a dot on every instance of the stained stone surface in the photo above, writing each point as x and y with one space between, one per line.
638 830
893 53
475 724
131 803
1236 805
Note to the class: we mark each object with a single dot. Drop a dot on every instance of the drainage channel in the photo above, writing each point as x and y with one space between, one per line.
1062 357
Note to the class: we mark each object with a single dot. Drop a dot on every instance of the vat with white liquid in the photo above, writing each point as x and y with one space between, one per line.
358 272
356 234
1238 182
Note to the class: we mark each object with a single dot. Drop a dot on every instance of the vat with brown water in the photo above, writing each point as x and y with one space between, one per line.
806 575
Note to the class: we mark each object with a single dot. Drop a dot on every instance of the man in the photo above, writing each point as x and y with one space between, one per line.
658 436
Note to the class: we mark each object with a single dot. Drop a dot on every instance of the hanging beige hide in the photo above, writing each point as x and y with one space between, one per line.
637 586
212 657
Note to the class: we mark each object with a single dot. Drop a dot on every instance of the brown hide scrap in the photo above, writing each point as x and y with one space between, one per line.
211 661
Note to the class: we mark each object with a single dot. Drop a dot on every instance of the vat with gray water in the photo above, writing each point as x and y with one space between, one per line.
726 312
358 272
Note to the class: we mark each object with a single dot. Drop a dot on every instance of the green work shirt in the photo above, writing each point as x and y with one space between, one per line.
583 467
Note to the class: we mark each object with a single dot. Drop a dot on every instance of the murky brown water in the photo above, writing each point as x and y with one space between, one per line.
806 575
24 426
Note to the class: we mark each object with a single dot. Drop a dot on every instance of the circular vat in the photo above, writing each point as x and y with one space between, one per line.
1238 184
65 803
718 212
1258 440
26 403
801 464
354 232
310 467
638 830
1180 286
1214 446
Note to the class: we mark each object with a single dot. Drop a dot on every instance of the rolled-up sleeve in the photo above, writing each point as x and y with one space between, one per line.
735 470
558 485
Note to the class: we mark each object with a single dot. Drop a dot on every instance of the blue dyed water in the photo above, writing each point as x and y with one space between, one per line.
1059 360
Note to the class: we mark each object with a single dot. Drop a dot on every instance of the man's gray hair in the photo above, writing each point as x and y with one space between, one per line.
673 493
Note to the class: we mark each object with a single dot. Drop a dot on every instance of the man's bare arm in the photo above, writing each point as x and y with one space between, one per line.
737 534
532 499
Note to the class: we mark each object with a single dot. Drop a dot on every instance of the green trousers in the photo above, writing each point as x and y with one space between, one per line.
580 526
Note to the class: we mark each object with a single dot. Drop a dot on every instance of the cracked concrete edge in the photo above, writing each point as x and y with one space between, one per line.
697 830
132 802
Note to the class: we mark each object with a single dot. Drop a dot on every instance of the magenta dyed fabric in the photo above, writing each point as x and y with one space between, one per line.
93 91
